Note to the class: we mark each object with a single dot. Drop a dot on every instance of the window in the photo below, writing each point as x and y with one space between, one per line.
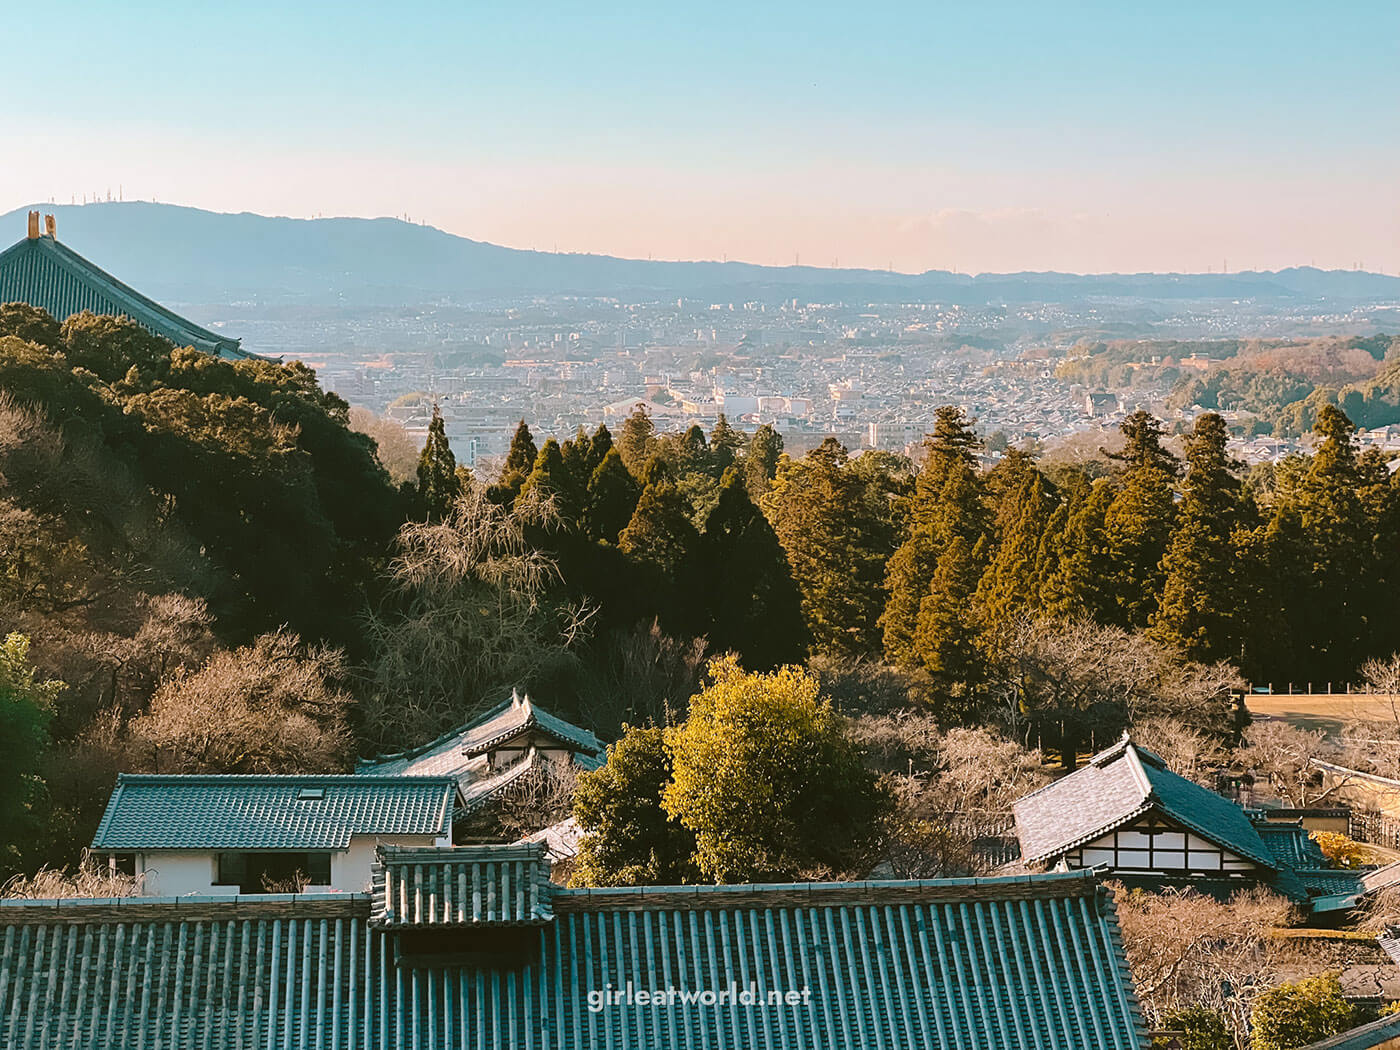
274 872
311 794
118 863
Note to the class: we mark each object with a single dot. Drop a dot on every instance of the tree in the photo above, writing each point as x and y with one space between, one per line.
392 445
1204 609
1012 583
726 445
1187 951
1201 1027
945 648
520 459
276 706
1138 523
660 532
629 840
598 447
612 498
754 607
838 525
637 442
761 461
1076 558
947 504
766 778
26 709
551 481
1300 1013
438 484
470 610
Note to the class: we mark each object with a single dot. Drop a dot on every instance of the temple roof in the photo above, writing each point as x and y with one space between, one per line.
44 272
1117 786
311 812
1026 961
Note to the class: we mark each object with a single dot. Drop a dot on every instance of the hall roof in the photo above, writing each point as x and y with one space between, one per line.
44 272
1118 785
149 812
962 963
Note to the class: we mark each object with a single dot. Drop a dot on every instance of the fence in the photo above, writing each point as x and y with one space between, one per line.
1375 828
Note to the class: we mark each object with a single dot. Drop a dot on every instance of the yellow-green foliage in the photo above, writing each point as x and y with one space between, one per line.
1341 850
1300 1013
767 779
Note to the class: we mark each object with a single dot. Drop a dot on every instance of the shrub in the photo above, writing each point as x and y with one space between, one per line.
1299 1013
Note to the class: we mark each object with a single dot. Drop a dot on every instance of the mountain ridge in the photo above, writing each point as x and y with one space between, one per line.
191 254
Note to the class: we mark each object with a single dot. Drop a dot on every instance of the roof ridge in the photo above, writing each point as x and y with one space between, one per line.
442 738
269 778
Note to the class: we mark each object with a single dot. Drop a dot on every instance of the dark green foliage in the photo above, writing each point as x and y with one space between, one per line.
838 526
1138 523
26 709
612 498
438 484
637 443
726 445
754 606
628 838
520 459
761 461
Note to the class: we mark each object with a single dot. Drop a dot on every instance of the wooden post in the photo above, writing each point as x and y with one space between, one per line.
33 225
51 227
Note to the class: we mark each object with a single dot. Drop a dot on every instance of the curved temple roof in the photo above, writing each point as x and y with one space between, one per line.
42 272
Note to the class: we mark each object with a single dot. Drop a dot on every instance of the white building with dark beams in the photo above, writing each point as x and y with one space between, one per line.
1129 816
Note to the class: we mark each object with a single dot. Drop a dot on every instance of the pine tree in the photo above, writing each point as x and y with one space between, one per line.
637 443
1204 610
1138 523
520 460
946 646
599 447
550 481
1012 583
1079 584
761 461
726 445
837 525
438 484
947 503
660 532
612 498
754 605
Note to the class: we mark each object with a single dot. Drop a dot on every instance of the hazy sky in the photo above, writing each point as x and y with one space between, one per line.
1128 135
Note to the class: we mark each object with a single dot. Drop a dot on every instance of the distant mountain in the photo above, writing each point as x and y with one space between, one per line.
189 255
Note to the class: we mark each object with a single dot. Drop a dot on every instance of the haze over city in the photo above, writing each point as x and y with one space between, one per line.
1101 137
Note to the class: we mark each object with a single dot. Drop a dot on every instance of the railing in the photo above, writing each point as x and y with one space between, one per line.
1374 828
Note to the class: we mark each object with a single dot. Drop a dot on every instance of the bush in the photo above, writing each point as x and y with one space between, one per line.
1201 1029
1340 850
1297 1014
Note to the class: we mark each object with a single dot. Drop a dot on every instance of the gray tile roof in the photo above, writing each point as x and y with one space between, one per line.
1117 786
466 886
266 812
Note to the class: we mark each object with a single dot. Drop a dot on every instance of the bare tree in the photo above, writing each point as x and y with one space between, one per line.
639 675
1188 752
539 798
1282 755
396 450
1186 949
275 706
469 614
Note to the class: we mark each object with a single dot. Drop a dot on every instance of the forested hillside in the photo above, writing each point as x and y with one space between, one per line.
215 572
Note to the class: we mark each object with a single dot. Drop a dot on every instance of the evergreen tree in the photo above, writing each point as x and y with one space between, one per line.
612 498
660 532
438 483
946 649
599 447
1138 523
1078 562
837 526
637 443
26 711
1012 583
551 481
726 445
1204 612
761 461
520 460
947 503
754 605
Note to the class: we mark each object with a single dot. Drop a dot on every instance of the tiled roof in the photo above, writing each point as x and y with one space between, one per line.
465 886
1027 962
1117 786
1291 844
45 273
268 812
1378 1033
458 752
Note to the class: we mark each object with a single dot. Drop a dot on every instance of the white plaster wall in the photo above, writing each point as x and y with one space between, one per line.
175 873
350 870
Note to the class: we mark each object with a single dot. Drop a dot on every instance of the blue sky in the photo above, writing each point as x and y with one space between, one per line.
992 136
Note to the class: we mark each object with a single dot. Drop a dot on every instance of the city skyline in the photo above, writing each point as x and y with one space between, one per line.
1008 139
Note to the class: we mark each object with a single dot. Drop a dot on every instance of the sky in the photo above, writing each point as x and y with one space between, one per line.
971 136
